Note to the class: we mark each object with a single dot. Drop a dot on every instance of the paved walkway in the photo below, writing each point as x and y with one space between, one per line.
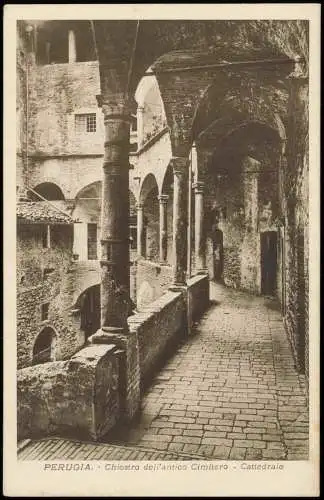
230 392
72 449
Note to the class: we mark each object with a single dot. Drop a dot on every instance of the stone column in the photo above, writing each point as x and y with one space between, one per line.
140 126
250 250
72 47
140 229
48 52
115 272
251 168
180 167
200 237
163 240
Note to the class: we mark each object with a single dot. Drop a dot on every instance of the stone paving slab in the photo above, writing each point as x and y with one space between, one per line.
70 449
232 391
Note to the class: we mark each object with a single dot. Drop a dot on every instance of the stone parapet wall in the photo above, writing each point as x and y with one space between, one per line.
78 397
163 322
157 325
198 295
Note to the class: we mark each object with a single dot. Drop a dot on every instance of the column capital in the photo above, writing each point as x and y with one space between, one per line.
199 187
140 109
179 164
113 109
139 206
163 199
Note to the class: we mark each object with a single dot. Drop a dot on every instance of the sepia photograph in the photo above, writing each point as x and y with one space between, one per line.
162 242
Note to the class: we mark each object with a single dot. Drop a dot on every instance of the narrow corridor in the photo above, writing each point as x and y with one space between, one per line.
230 392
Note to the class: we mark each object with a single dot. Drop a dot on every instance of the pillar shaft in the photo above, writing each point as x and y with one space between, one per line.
180 218
251 169
163 240
140 229
72 47
115 219
200 239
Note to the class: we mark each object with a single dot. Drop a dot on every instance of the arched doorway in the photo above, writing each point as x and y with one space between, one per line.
44 347
268 262
217 240
47 190
90 310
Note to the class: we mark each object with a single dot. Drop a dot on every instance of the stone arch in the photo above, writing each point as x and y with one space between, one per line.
226 104
148 184
91 190
143 87
44 346
48 190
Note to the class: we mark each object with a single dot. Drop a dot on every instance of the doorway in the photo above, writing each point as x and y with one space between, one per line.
218 254
44 347
90 311
268 263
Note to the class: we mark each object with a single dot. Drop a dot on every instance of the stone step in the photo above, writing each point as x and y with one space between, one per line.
55 448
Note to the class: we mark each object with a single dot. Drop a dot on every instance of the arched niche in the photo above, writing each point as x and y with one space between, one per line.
44 346
47 190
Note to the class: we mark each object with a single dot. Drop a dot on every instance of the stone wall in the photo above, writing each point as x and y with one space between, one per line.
247 206
198 296
162 323
295 189
77 398
152 280
43 276
21 105
156 327
56 93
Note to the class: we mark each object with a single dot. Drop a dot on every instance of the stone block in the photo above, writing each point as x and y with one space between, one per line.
78 397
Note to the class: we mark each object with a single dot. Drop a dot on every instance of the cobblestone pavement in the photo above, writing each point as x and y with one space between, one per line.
230 392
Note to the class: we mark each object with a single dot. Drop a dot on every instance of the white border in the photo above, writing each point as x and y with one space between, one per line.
29 478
